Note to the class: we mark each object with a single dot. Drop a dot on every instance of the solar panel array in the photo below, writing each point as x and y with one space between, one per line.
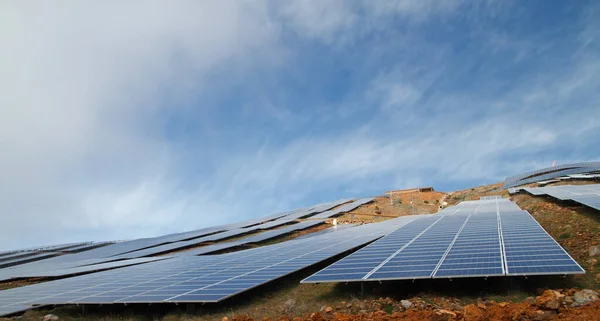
261 237
344 208
194 242
588 195
551 172
476 239
311 211
72 256
194 278
489 237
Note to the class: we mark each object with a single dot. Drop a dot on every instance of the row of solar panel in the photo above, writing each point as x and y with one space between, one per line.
588 195
522 176
141 247
551 173
208 278
476 240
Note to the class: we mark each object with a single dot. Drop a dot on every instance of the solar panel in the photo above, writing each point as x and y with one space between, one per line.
193 278
477 251
90 268
551 172
214 237
355 267
85 247
247 240
476 239
421 255
588 195
344 208
529 250
27 259
332 229
592 201
310 211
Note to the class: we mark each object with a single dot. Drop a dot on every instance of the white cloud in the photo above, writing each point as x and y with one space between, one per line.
83 84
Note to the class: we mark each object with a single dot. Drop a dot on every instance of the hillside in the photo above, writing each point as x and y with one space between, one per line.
575 227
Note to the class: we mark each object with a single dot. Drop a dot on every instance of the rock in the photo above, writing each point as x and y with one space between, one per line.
584 297
456 307
406 304
446 312
544 315
530 300
349 305
50 317
225 319
481 306
502 304
328 309
595 250
289 305
549 300
473 313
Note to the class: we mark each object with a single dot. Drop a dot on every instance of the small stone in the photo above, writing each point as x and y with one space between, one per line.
225 319
50 317
481 306
595 250
406 304
447 312
288 306
584 297
502 304
328 309
544 315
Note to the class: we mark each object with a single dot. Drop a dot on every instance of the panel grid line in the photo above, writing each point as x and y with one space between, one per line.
399 250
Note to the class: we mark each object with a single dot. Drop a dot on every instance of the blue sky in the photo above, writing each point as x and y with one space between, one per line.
122 121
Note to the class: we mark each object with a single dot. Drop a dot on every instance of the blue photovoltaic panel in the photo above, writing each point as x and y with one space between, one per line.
214 237
332 229
253 238
310 211
475 239
193 278
592 201
550 173
90 268
420 257
588 195
344 208
477 251
529 250
27 259
357 265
